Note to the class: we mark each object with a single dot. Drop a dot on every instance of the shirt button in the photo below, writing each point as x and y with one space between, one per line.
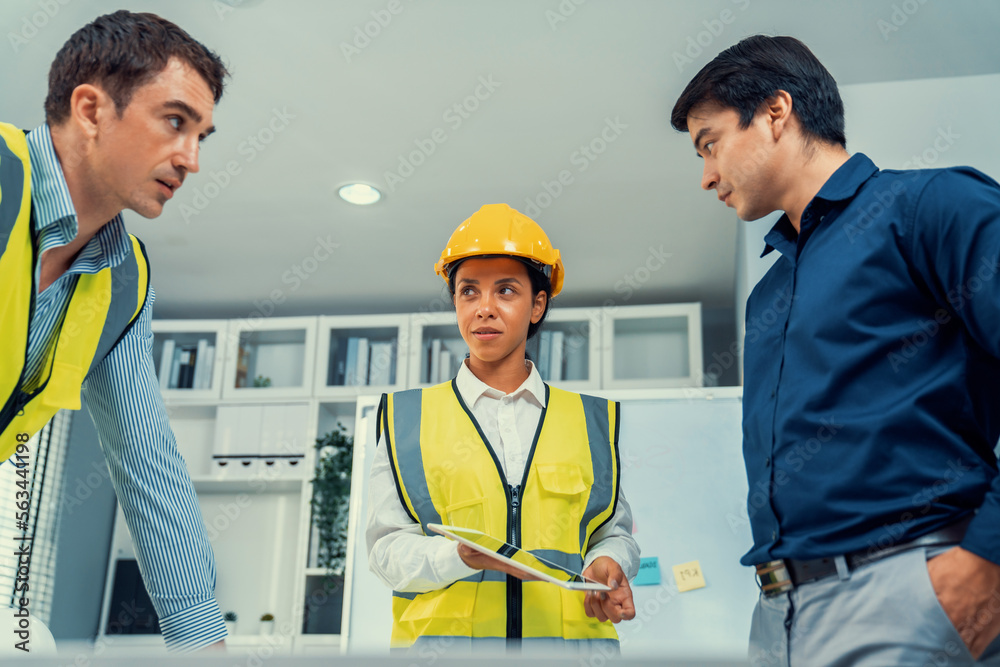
774 534
767 462
772 393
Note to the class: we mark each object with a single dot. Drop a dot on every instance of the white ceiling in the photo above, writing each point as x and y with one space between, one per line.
557 84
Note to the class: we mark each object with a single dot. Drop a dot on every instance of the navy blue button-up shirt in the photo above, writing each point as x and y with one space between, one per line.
872 366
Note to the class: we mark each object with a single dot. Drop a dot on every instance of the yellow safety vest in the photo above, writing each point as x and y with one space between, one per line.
446 472
102 308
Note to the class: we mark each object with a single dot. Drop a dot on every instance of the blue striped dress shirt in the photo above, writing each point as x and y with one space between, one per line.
123 395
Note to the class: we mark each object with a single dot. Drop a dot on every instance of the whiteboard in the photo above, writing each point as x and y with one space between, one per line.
683 475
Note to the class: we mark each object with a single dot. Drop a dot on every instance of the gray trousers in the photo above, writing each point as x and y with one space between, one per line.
884 613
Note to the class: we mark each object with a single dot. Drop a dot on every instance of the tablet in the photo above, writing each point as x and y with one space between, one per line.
519 558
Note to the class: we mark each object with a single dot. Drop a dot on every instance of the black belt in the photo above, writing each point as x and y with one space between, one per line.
779 576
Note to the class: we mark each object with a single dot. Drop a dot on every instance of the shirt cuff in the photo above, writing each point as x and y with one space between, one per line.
982 537
449 566
615 549
193 628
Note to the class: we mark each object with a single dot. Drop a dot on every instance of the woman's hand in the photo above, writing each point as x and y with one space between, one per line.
480 561
615 605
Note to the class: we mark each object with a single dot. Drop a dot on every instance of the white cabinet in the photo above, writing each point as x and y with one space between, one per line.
251 449
253 439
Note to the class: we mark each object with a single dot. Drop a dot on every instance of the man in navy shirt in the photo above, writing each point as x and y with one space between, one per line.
872 366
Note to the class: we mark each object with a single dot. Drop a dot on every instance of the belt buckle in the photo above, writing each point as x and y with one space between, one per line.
773 578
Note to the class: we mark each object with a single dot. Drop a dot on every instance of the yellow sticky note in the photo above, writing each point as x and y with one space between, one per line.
688 576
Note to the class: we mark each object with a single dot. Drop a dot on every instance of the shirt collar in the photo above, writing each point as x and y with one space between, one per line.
842 185
50 196
55 216
472 388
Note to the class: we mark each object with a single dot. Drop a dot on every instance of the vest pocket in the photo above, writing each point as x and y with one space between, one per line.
562 479
468 514
575 622
561 502
446 612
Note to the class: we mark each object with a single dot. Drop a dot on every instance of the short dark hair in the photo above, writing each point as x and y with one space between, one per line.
121 52
539 283
744 76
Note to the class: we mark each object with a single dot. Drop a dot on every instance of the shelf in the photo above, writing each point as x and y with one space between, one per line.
566 349
188 357
275 358
362 354
258 517
434 343
653 347
249 485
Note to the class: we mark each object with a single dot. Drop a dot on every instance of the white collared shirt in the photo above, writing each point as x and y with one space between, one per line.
409 561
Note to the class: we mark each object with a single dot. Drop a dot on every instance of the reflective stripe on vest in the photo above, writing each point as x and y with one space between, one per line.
446 472
102 308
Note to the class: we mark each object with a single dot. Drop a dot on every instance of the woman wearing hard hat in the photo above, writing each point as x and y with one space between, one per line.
499 451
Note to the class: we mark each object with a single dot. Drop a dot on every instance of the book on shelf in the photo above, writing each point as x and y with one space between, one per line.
361 369
544 353
434 368
185 375
351 362
166 362
208 365
444 374
381 363
175 369
337 371
201 352
556 356
576 357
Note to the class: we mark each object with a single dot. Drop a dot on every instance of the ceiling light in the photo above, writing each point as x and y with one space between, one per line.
359 193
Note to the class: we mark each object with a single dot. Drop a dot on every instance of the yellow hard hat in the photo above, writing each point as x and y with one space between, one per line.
497 229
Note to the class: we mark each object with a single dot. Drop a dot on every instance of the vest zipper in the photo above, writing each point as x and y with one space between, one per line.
514 620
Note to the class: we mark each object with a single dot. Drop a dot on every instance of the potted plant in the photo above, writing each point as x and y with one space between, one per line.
230 618
330 503
266 624
331 498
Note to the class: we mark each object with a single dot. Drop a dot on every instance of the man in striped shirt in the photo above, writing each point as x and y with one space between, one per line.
130 99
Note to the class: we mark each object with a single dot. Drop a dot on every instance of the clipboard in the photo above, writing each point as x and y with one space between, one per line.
519 558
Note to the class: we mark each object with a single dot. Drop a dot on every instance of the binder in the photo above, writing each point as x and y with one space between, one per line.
361 369
380 364
544 353
166 363
351 362
434 372
556 357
